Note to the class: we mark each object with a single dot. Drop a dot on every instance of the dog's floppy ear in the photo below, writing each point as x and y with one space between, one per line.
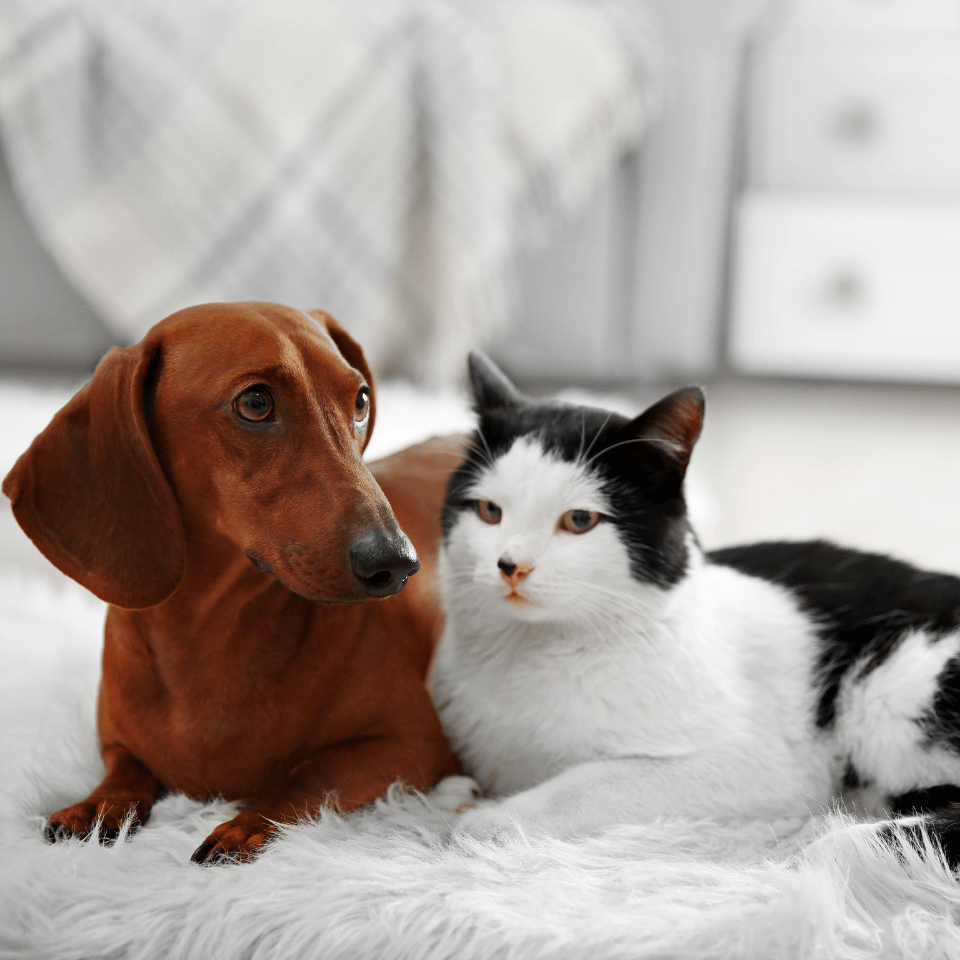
90 491
353 353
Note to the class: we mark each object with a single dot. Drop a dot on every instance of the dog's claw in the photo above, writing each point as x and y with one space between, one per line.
200 854
210 852
102 819
54 834
239 840
222 856
108 836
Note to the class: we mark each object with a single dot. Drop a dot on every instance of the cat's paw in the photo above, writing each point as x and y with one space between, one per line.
455 794
486 820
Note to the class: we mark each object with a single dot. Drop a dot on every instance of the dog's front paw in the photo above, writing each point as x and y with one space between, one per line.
486 820
455 794
106 816
237 840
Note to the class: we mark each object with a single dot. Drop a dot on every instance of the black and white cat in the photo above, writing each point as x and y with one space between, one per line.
597 667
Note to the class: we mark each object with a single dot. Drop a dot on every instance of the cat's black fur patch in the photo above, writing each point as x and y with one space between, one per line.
943 721
943 828
931 800
851 779
643 487
863 603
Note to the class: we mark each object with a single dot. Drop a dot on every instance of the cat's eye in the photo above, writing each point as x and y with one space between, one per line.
361 407
254 404
579 521
488 511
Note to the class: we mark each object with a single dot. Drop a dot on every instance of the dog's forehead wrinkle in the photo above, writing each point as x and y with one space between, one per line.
275 374
203 361
328 370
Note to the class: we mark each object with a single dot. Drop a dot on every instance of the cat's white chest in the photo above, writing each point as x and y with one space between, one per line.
722 673
549 700
580 660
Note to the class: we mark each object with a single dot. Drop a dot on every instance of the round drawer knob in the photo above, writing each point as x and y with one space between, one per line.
845 289
856 124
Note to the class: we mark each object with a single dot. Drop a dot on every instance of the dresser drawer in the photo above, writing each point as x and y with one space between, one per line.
863 15
847 288
870 116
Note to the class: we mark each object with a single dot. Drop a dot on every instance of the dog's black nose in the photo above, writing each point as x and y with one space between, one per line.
382 563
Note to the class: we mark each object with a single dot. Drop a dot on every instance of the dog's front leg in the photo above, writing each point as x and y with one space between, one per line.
128 786
344 776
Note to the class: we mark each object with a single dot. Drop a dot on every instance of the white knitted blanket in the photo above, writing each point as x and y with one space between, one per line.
379 158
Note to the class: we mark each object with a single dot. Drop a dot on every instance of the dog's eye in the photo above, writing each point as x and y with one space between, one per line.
579 521
362 407
254 404
488 511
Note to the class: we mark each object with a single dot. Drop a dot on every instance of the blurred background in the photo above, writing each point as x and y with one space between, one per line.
762 196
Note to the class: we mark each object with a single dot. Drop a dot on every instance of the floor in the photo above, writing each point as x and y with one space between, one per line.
873 467
876 467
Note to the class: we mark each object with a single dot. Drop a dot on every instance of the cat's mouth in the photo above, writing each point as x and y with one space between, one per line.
517 598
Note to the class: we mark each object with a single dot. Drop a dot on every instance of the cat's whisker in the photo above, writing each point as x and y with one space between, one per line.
486 446
596 437
583 433
615 601
465 580
595 587
671 445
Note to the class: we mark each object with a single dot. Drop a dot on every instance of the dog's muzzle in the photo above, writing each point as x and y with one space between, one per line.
382 563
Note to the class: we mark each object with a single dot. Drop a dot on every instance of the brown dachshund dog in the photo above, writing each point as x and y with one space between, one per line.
208 484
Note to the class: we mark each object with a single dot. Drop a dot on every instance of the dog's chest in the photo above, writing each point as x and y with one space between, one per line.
234 730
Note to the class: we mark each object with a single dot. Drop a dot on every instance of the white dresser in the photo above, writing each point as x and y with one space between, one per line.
847 257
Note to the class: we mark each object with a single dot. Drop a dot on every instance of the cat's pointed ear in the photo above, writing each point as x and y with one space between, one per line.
490 386
673 424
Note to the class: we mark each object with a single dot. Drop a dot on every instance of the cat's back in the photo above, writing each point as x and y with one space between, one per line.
887 657
862 603
848 585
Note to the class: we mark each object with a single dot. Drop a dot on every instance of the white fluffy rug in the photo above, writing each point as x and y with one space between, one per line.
390 882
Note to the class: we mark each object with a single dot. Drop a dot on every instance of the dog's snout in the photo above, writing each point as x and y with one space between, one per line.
382 562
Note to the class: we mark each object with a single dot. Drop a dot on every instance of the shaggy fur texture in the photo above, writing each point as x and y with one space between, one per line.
388 882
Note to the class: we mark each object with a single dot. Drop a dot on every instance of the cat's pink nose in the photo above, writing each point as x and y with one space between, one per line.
512 572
